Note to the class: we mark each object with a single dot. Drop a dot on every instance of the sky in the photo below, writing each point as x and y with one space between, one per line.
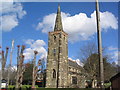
28 23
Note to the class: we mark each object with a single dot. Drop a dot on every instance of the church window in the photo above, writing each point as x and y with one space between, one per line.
54 38
64 37
60 35
60 42
54 73
69 68
74 80
60 50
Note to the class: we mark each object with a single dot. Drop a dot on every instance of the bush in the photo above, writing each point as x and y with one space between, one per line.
23 86
107 85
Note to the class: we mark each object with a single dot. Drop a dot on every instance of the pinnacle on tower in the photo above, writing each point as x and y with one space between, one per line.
58 22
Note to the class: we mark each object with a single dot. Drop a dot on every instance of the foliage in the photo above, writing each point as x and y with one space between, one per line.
109 70
90 58
107 85
92 67
11 86
27 76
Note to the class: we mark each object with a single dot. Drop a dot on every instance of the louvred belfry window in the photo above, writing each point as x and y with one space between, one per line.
60 35
60 42
60 50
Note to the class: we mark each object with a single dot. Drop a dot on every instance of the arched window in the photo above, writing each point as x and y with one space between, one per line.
60 42
60 35
64 37
54 73
54 38
60 50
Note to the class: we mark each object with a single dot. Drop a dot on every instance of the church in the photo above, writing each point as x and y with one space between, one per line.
61 72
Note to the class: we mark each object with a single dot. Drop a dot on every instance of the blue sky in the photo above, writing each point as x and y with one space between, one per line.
29 22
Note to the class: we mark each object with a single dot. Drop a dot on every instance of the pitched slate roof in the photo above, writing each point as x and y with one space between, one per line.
73 64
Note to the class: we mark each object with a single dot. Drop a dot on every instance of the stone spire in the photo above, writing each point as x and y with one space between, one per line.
58 22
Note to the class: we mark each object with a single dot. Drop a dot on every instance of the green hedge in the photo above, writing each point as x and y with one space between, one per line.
23 86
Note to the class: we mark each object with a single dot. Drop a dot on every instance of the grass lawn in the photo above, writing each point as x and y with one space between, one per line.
24 87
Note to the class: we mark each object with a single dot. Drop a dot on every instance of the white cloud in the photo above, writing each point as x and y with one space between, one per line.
10 14
14 68
38 45
29 53
115 54
47 24
112 48
8 22
79 26
29 41
6 1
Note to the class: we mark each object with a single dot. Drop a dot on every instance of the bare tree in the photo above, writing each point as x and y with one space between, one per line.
35 69
90 58
42 73
20 67
87 50
38 73
4 59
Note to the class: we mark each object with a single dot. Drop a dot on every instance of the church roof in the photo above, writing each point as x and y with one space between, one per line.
73 64
58 22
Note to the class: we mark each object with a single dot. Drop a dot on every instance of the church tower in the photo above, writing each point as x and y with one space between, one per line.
57 60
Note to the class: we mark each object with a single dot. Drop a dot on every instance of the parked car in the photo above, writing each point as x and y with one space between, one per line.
4 84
